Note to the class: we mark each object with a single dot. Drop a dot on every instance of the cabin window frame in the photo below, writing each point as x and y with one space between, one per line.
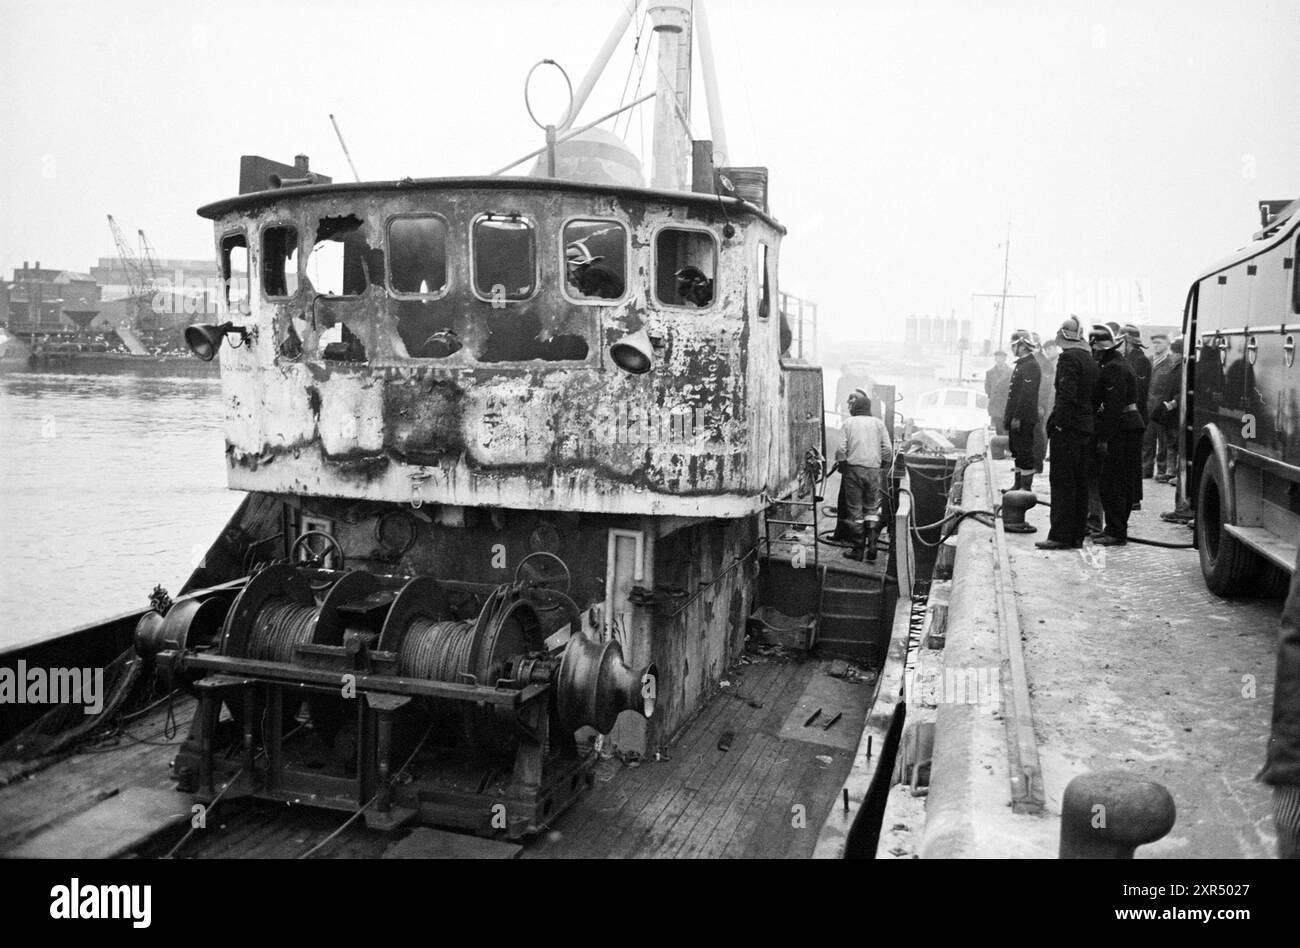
320 216
1295 274
261 253
447 258
763 256
654 267
537 257
627 262
226 271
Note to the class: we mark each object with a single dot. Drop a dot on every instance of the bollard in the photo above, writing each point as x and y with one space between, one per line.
1014 505
998 447
1108 814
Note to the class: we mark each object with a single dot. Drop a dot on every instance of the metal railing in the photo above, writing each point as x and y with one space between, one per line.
801 316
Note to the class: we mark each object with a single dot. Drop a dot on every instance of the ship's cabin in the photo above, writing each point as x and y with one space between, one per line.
507 329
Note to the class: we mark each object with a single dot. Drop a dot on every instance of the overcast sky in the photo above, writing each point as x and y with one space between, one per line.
1126 143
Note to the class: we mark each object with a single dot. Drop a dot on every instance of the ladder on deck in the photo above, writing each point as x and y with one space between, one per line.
769 521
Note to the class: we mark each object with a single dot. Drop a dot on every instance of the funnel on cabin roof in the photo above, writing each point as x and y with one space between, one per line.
595 156
82 317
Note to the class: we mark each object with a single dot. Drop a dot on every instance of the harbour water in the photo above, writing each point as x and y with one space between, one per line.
108 485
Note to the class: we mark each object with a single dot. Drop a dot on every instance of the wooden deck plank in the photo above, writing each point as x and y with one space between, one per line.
725 783
821 780
771 835
601 813
655 823
742 816
74 785
801 778
732 836
770 813
664 806
646 786
653 791
725 772
110 828
231 824
427 843
726 811
823 794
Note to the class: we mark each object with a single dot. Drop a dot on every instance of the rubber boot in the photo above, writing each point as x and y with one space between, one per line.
873 537
856 553
1027 482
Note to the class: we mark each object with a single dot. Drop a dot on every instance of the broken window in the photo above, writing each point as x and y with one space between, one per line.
595 258
234 271
341 262
505 258
686 266
340 344
417 255
280 261
427 328
518 336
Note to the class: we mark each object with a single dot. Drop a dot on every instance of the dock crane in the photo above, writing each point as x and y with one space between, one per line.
149 266
141 274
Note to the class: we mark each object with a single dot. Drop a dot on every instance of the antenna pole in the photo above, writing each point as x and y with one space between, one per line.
344 146
598 64
716 125
1002 309
560 139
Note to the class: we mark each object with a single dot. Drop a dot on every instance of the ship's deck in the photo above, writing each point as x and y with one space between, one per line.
765 795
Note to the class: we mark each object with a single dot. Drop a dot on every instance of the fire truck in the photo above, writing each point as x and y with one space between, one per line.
1241 410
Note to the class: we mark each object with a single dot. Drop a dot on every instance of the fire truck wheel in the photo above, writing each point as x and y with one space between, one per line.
1230 567
1274 582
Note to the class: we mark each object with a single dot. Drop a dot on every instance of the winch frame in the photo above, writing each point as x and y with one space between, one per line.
547 775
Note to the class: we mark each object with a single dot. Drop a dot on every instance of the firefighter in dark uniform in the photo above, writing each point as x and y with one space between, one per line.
1046 367
1069 433
1118 434
1141 365
1021 415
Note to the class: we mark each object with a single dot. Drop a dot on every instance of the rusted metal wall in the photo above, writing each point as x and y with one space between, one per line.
555 435
698 636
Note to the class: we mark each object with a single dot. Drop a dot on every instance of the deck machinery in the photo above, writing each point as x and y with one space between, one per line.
540 417
374 670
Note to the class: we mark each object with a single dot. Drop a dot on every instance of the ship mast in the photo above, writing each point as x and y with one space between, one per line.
674 25
716 126
1006 268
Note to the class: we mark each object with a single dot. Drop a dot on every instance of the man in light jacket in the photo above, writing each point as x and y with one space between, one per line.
866 452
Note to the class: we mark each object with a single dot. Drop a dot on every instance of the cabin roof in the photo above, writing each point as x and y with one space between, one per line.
255 199
1282 230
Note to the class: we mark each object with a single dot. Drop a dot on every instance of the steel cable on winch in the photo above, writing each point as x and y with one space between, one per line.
280 628
436 650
